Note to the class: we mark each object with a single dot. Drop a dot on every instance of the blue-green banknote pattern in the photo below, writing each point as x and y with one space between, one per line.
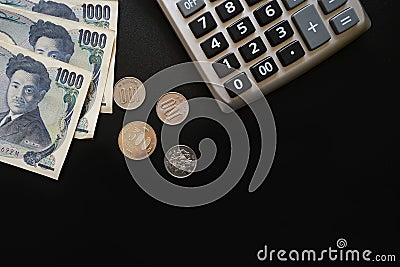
40 104
93 12
82 45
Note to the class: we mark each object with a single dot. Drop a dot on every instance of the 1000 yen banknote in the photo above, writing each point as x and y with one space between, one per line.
79 44
98 13
40 103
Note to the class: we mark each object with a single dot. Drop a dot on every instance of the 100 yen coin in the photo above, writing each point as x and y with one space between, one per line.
172 108
129 93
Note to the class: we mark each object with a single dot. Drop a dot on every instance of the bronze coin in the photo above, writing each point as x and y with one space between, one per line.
137 140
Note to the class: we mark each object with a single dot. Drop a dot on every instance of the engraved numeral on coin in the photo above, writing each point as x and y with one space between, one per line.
139 140
129 95
171 109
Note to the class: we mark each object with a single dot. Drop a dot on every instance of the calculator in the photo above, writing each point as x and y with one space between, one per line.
260 45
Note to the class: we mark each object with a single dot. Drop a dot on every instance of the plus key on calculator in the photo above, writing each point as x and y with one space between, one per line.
255 45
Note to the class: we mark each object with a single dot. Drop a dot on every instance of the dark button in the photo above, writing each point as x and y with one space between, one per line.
252 2
344 21
241 29
268 13
226 65
264 69
229 9
203 25
214 45
290 53
329 6
279 33
189 7
237 84
290 4
252 49
311 27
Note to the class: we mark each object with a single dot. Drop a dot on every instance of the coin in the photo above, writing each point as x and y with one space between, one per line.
137 140
129 93
180 161
172 108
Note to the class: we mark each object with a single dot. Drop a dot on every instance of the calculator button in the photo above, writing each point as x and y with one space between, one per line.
264 69
189 7
203 25
290 53
214 45
241 29
329 6
290 4
279 33
252 2
311 27
344 21
268 13
229 9
226 65
237 85
252 49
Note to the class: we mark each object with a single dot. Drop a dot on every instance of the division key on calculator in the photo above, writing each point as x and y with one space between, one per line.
255 45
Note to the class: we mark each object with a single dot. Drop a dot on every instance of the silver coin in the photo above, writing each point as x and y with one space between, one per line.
129 93
180 161
172 108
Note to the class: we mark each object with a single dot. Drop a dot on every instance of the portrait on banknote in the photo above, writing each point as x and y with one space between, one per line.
40 102
21 123
82 45
102 14
51 40
56 9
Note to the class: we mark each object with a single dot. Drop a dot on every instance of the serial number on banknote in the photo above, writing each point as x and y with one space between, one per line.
7 151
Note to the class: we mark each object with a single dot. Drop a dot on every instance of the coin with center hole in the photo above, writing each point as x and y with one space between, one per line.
137 140
172 108
180 161
129 93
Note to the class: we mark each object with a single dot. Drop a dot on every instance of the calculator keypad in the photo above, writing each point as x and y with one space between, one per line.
264 69
344 21
203 25
252 49
229 9
279 33
329 6
252 2
226 65
290 53
215 45
311 27
238 84
189 7
258 42
241 29
290 4
268 13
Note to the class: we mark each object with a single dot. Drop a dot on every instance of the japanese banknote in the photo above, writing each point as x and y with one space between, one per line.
79 44
41 99
98 13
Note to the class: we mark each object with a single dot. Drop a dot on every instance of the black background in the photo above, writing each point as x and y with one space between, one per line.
335 173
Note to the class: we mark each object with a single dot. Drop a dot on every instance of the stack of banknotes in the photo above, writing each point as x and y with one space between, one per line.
57 61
